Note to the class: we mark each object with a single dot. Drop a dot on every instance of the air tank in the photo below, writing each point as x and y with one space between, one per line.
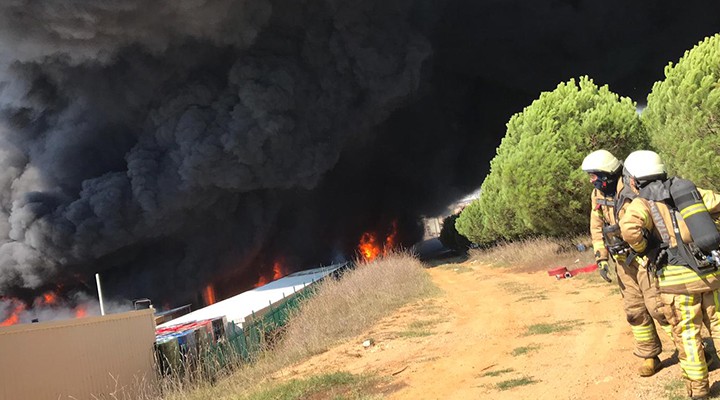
696 216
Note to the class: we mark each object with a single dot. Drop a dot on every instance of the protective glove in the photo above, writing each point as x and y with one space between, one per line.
604 270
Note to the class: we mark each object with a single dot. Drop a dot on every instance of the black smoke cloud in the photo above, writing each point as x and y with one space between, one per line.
173 144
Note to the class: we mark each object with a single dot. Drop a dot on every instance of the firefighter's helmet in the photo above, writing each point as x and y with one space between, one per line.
645 165
601 161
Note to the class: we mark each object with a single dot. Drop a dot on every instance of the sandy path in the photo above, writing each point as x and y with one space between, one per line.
449 347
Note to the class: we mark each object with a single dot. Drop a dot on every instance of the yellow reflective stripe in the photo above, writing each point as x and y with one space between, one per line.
640 247
598 245
686 332
694 371
667 329
671 275
695 366
692 210
642 328
646 220
675 270
643 333
692 366
683 280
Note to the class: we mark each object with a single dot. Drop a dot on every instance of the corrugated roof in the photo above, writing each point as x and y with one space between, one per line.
238 307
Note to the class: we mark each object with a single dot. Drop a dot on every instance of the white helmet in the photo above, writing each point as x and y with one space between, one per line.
645 165
601 161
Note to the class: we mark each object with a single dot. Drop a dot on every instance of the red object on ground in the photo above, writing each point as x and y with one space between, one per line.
589 268
562 272
558 273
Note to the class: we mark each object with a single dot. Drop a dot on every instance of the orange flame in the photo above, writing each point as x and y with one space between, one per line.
49 298
278 271
370 248
14 317
261 282
391 239
209 295
80 312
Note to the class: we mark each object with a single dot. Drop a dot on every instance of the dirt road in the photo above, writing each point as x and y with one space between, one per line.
497 334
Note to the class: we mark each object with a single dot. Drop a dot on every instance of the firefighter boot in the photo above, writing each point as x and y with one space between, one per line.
650 366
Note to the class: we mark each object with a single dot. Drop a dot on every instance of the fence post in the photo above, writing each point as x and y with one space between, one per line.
272 312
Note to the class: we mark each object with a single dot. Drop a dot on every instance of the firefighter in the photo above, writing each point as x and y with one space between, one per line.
658 225
641 300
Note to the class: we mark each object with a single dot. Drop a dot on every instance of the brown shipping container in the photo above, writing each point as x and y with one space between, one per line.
87 358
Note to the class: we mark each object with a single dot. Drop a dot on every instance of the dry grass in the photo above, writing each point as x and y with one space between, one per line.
336 385
345 308
537 254
341 309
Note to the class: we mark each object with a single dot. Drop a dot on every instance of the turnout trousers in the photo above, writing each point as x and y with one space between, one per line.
687 313
642 303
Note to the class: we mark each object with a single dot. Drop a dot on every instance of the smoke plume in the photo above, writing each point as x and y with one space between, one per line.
172 144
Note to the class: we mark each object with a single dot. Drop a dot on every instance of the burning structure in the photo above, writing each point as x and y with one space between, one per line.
181 148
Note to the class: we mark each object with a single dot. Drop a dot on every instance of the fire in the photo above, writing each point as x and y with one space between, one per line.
14 317
49 298
370 247
49 301
391 239
209 295
278 271
261 282
80 312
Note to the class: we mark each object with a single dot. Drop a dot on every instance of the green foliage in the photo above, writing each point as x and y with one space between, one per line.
470 222
450 237
535 185
683 115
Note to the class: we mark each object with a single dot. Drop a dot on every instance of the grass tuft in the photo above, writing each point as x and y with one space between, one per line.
559 326
498 372
518 351
675 389
418 329
511 383
338 385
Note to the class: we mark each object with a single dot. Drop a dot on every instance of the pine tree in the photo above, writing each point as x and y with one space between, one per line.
535 185
683 115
